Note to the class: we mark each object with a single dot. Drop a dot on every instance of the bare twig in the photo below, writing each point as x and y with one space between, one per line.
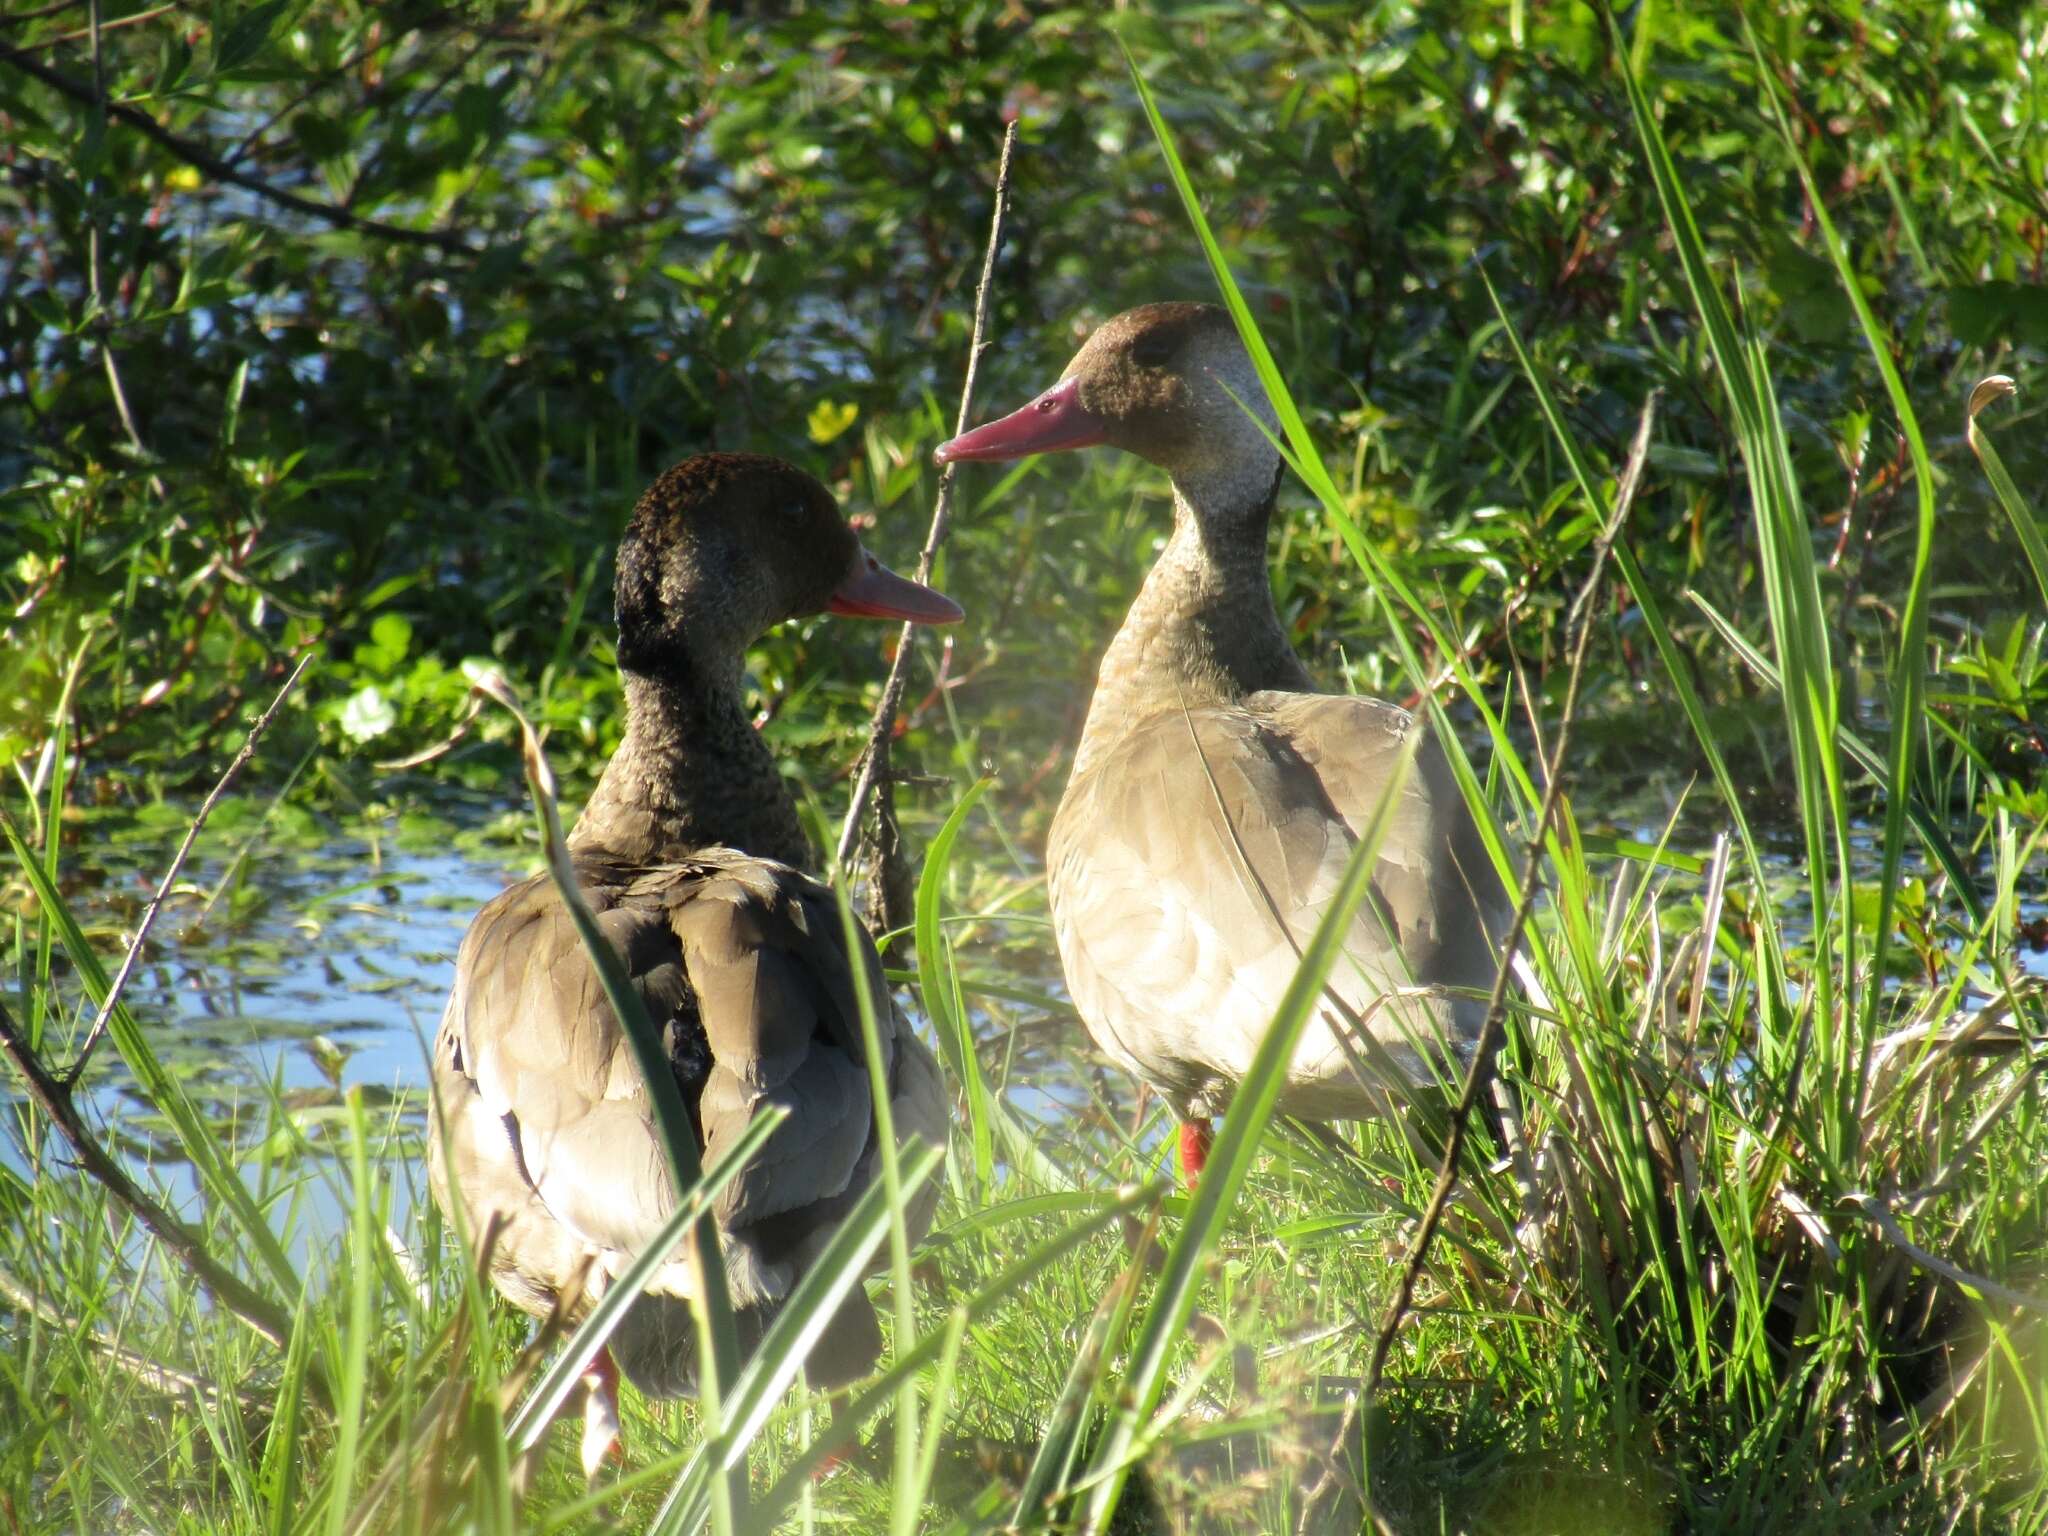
166 1380
874 760
113 998
40 12
229 1289
203 159
97 26
1479 1073
1879 1215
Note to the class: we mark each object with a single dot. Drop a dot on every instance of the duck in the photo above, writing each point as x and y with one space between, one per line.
1216 795
693 858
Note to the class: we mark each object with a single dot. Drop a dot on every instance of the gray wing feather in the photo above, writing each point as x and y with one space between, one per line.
1190 866
542 1120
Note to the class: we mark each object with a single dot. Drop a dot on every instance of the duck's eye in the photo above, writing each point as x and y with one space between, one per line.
1152 351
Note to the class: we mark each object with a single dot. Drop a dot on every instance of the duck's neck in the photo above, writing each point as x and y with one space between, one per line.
1203 629
692 773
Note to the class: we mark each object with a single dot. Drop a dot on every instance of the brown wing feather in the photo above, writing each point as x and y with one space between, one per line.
546 1118
1435 879
1190 865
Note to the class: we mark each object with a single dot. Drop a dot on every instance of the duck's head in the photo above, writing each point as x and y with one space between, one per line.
725 546
1169 382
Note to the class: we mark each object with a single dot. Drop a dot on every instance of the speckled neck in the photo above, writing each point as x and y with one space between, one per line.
692 773
1203 628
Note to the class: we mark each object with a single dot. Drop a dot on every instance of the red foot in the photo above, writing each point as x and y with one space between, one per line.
602 1371
602 1441
1196 1137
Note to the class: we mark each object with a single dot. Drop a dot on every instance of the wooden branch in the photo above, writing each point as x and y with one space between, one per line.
104 26
874 776
1479 1074
72 1073
228 1288
200 158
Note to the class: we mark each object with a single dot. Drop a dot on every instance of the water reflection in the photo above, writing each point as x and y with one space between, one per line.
324 965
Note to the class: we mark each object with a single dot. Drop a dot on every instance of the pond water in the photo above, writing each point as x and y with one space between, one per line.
295 963
319 963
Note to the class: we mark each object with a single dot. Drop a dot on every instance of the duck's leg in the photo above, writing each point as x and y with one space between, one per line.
1196 1137
600 1412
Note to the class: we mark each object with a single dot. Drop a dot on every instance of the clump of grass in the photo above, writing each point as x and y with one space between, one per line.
1756 1243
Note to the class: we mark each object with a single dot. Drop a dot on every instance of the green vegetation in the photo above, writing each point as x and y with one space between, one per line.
352 332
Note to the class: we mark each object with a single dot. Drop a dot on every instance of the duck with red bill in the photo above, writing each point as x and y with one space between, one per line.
544 1141
1217 794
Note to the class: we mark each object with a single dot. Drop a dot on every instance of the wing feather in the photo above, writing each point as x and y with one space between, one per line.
1190 865
545 1117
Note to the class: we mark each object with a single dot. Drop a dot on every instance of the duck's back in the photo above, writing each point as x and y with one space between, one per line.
743 968
1190 863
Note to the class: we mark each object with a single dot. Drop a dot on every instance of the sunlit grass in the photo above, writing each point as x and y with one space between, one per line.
1688 1289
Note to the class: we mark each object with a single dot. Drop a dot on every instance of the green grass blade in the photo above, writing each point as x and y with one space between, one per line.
279 1474
1909 667
1792 597
2024 523
1004 1286
353 1379
1675 669
1932 836
1300 454
939 984
1251 1106
787 1343
1060 1440
198 1141
901 1286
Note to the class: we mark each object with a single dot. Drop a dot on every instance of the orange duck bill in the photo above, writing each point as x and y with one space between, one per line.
1055 420
874 591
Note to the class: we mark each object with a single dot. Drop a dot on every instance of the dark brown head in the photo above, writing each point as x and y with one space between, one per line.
725 546
1163 381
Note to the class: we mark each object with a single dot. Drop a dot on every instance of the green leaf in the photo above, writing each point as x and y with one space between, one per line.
245 36
2024 523
391 633
939 985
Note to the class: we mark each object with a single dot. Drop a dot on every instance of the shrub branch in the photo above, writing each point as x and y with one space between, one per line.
202 159
72 1073
229 1289
1479 1074
873 775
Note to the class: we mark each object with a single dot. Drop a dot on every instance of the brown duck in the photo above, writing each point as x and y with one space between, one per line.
1216 797
691 854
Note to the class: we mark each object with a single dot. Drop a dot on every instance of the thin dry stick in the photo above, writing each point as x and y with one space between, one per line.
229 1289
70 1074
1480 1072
1479 1075
166 1380
874 759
